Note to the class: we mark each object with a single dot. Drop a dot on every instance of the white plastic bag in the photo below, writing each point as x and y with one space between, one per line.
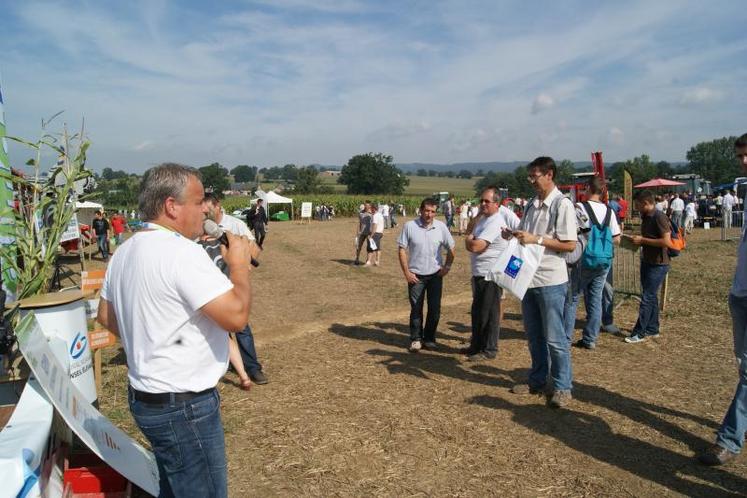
516 267
372 244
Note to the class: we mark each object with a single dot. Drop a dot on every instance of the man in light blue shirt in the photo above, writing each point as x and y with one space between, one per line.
420 246
730 437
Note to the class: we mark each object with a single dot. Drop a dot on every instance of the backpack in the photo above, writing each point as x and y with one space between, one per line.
678 240
598 252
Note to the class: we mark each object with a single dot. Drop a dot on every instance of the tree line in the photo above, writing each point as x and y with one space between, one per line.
376 173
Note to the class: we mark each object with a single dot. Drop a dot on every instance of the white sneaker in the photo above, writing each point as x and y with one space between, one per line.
415 346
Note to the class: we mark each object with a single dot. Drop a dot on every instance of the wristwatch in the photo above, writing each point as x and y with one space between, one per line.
539 241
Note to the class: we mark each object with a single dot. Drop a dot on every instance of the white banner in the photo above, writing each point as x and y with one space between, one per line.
71 232
110 443
305 210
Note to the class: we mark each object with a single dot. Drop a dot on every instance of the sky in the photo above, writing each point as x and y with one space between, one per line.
318 81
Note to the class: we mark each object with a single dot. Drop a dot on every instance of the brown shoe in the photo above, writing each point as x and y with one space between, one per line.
524 389
560 399
716 455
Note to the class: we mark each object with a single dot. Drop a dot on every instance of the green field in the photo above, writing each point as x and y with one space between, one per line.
424 185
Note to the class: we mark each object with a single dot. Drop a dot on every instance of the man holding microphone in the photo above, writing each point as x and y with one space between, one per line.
172 309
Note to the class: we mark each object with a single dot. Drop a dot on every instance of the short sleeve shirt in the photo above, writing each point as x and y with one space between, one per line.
490 229
552 268
655 227
424 245
235 226
364 220
600 211
157 283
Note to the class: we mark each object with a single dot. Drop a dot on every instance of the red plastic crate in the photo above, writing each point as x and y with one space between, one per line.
87 474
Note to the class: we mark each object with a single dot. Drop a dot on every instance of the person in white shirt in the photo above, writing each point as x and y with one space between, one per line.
590 281
243 352
549 220
172 309
384 210
727 205
463 216
691 214
678 210
485 242
374 240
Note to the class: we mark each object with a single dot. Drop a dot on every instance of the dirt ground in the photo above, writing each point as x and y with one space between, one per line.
349 412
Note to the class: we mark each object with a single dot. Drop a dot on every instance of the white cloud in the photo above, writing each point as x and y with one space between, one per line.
144 145
542 102
615 136
700 95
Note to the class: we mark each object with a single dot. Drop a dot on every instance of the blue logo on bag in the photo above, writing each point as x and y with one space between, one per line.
513 266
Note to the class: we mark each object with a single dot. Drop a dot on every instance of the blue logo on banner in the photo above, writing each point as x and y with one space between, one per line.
513 266
78 346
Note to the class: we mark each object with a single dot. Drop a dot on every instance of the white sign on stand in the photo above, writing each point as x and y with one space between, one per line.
109 442
305 210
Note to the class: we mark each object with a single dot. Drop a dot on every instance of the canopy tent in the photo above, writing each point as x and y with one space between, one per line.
658 182
273 198
87 211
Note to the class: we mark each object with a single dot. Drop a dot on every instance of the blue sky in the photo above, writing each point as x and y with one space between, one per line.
318 81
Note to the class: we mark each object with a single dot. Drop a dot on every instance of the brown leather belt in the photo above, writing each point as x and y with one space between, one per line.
167 398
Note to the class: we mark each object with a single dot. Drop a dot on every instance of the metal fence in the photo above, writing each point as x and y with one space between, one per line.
625 272
732 223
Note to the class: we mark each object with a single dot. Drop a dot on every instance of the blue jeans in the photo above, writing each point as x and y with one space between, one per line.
430 286
103 245
245 338
608 299
549 345
590 283
187 440
734 426
652 276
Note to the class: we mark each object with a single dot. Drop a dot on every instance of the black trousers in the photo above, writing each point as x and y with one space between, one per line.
429 288
486 305
259 234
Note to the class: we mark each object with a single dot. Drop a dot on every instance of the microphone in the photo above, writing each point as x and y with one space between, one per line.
212 229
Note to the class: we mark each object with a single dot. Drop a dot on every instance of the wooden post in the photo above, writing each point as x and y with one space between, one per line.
97 371
663 296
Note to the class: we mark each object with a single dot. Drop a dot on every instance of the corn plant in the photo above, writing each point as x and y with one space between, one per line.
44 209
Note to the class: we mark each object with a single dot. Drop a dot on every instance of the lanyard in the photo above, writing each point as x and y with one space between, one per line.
156 226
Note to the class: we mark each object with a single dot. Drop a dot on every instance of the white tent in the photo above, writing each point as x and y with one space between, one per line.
87 211
273 198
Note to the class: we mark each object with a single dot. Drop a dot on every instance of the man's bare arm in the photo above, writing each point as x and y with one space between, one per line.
107 317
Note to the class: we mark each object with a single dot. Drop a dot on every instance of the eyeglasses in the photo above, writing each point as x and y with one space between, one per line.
534 178
486 201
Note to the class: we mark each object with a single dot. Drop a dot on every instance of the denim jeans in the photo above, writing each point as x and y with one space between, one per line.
608 299
486 305
429 288
549 345
652 276
590 283
103 245
245 339
731 433
187 440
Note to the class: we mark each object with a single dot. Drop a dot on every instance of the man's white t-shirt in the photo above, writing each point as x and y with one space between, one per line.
600 211
691 210
378 220
157 283
677 204
235 226
490 230
384 210
464 211
728 202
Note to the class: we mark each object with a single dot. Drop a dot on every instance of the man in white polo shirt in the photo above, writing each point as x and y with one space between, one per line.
420 245
486 243
550 221
172 309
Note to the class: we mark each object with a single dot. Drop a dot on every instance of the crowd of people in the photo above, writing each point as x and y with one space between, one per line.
179 337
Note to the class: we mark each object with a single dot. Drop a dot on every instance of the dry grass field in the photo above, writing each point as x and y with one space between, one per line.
349 412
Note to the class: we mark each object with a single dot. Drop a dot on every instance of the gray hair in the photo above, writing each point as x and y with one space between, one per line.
159 183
